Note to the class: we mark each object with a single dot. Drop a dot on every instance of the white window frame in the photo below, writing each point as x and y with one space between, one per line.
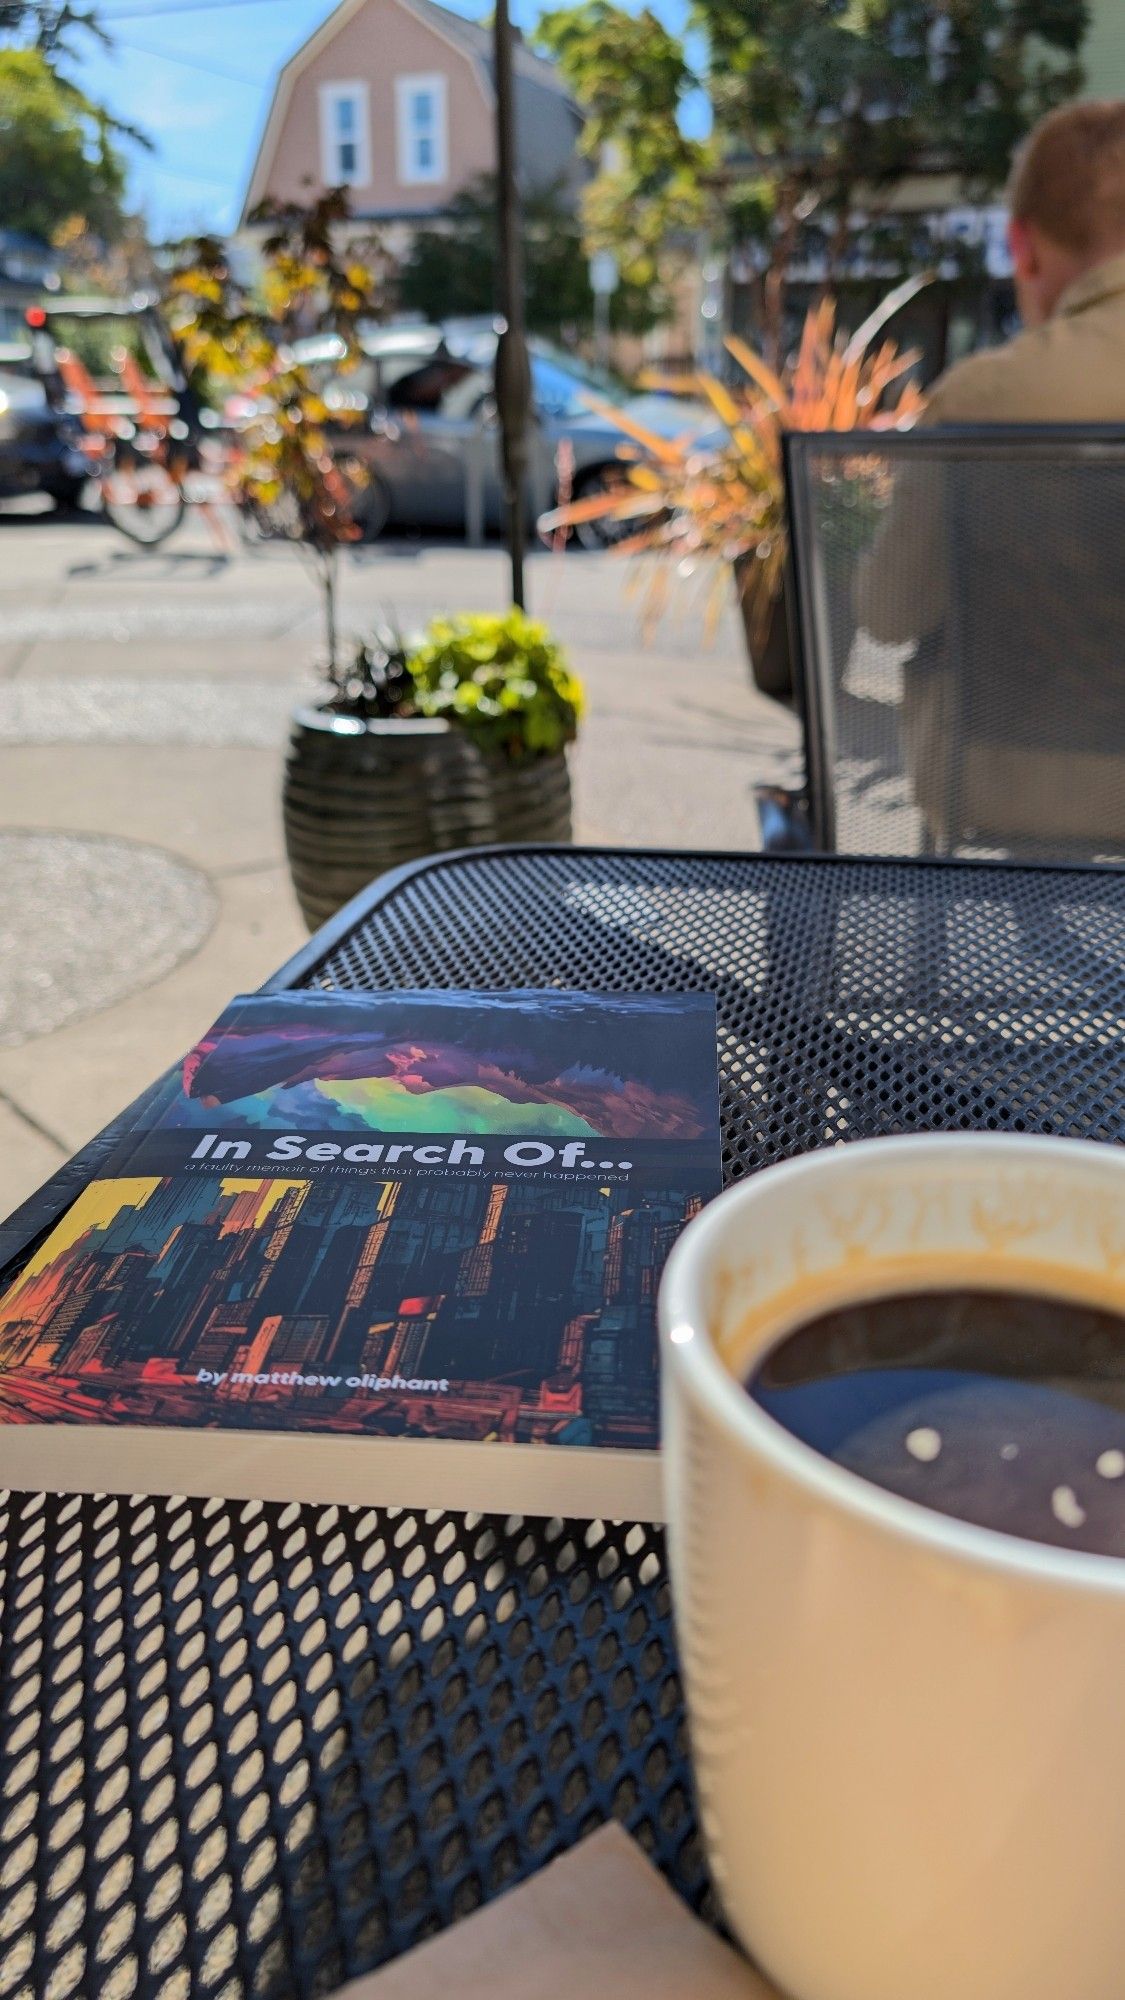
331 94
409 173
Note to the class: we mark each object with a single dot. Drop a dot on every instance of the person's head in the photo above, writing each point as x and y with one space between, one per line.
1067 202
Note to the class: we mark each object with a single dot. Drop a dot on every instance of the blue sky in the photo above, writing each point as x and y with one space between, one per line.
197 78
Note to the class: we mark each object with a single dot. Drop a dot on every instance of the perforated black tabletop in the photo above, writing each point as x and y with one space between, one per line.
251 1750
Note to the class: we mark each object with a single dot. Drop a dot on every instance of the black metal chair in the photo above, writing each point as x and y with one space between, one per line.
957 610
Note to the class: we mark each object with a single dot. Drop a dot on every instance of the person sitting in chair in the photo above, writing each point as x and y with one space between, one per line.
1026 581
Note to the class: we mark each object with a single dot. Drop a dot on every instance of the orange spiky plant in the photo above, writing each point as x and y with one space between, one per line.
708 503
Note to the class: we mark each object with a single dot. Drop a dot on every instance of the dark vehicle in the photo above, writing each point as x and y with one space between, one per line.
80 386
426 435
40 445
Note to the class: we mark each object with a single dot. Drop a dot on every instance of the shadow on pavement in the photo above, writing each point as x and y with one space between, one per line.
152 565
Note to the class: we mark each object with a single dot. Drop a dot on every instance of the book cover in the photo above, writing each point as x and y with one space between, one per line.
394 1248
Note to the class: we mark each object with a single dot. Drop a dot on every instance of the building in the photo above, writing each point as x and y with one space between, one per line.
930 219
1103 52
394 99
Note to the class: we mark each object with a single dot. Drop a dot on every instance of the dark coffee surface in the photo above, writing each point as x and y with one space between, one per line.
999 1408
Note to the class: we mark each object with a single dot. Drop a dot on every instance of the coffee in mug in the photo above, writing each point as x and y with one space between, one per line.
894 1431
994 1406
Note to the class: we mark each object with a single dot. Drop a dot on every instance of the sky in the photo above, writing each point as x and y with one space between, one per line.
196 75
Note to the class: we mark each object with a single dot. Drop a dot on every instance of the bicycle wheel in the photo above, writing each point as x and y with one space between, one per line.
372 507
144 502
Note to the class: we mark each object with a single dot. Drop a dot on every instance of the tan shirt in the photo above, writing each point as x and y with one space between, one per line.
1070 370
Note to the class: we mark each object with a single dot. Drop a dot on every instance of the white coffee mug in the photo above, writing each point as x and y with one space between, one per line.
908 1732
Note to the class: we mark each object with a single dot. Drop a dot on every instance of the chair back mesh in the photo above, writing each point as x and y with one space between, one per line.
960 599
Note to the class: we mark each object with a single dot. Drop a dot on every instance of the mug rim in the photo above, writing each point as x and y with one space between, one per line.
689 1352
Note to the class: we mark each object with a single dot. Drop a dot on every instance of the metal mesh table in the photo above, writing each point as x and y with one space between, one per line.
252 1750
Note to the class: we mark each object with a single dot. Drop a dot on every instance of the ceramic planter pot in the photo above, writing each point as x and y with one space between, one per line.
771 664
361 797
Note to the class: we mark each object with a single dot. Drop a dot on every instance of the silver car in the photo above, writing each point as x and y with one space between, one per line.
424 427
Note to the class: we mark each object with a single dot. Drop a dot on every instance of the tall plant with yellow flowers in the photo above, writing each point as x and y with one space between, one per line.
239 335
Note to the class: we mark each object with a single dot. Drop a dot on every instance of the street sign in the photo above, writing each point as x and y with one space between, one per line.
604 274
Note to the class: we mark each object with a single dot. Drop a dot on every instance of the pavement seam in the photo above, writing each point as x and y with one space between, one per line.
33 1124
232 871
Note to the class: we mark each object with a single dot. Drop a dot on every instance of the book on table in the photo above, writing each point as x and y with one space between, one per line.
387 1249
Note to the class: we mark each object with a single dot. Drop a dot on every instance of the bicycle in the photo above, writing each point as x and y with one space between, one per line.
143 460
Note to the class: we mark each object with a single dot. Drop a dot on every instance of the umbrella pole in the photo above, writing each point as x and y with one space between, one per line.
513 379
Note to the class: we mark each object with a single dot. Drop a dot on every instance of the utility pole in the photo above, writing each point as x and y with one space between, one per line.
513 373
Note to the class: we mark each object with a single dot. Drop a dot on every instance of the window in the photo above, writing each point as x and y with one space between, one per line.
442 387
420 124
345 152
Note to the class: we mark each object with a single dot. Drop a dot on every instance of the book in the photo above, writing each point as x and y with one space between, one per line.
394 1249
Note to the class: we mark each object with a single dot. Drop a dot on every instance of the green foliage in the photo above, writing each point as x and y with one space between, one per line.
839 95
57 159
500 677
49 25
631 75
379 684
60 31
238 338
452 268
817 106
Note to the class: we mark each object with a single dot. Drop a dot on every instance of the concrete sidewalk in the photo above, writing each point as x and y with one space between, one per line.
144 703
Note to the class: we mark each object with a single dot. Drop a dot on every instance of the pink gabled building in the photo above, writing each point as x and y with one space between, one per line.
395 100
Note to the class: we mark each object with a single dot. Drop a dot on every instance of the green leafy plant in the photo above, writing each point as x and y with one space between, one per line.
502 678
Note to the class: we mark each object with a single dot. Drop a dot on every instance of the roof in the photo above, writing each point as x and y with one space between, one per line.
471 38
475 37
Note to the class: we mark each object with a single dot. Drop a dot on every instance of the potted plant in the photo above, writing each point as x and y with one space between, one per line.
715 505
459 741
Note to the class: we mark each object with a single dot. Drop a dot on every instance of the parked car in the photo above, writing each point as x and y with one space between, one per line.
425 425
40 446
44 413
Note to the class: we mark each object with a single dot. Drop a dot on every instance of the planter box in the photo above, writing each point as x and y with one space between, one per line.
361 797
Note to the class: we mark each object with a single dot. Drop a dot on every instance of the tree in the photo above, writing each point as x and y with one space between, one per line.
49 26
59 166
452 267
241 339
57 159
818 107
631 76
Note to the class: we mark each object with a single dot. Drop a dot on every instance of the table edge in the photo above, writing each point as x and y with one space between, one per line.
324 941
